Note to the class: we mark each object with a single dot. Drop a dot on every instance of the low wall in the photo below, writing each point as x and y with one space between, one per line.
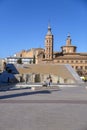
34 78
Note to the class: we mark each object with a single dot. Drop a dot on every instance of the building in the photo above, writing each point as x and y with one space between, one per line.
26 56
2 61
67 55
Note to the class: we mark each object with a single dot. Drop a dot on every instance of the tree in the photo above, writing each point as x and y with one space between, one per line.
4 65
30 61
34 60
19 61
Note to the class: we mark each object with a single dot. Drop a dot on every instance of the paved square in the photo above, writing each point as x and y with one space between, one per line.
44 109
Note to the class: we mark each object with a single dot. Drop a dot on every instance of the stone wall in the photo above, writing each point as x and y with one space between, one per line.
40 78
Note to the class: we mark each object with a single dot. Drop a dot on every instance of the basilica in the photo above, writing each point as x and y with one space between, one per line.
67 55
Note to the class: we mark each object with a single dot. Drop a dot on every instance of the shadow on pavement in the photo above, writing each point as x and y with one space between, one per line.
24 94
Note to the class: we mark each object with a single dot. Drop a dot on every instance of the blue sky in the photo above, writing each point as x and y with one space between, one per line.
23 24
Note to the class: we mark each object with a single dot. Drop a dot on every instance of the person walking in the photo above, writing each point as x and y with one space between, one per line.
26 79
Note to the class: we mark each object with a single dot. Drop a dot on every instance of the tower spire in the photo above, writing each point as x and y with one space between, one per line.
68 41
49 30
68 36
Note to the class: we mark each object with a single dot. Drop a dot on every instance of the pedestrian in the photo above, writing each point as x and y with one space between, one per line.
45 84
49 82
26 79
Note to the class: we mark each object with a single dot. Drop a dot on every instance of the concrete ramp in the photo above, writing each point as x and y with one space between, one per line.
74 74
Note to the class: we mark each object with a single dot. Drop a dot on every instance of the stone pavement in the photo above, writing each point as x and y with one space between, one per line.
44 109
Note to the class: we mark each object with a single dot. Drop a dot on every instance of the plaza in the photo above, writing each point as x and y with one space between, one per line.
63 107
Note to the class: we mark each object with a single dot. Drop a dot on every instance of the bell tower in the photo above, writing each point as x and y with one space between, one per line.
49 44
68 48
